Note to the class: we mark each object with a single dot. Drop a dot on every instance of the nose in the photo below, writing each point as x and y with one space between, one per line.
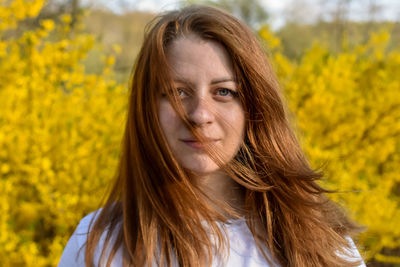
200 111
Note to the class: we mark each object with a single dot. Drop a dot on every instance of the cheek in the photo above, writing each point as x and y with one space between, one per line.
239 131
168 118
241 121
235 123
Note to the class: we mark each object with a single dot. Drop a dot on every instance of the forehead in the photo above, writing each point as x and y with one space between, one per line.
191 53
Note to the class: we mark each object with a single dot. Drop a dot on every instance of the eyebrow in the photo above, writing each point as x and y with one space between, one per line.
222 80
214 81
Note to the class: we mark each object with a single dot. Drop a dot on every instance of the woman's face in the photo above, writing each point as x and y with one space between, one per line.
204 80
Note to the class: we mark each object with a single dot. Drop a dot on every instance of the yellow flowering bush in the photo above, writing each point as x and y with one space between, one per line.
347 113
61 127
60 130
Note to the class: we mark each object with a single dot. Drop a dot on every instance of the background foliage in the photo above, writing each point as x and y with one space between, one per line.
60 130
61 122
347 110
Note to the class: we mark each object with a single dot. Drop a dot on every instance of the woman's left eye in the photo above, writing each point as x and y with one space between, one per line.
225 92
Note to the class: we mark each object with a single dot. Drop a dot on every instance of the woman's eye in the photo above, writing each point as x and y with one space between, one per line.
225 92
181 92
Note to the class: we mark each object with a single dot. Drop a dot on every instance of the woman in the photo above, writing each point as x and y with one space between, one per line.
210 173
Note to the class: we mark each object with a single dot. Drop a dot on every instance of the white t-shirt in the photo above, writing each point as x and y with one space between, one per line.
243 251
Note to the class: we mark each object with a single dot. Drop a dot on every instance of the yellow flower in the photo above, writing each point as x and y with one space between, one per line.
5 168
66 18
48 24
116 48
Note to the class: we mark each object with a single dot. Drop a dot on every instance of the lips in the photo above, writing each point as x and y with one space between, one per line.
196 144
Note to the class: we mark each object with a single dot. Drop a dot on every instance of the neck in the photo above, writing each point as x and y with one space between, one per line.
219 189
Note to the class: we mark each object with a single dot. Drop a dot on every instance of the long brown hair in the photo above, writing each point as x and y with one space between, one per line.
155 214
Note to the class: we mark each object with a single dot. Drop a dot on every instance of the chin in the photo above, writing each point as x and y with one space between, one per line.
201 168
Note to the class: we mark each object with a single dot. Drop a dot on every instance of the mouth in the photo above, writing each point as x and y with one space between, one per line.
198 145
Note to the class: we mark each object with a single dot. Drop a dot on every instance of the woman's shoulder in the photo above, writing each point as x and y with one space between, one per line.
83 227
245 252
74 251
352 252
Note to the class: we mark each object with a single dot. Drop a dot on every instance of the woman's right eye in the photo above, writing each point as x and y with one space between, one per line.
181 92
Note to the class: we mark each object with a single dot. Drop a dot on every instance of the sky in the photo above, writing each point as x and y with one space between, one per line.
279 10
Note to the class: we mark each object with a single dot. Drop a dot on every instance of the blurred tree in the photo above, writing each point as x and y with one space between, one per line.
374 9
297 37
299 11
340 19
334 23
74 11
122 32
